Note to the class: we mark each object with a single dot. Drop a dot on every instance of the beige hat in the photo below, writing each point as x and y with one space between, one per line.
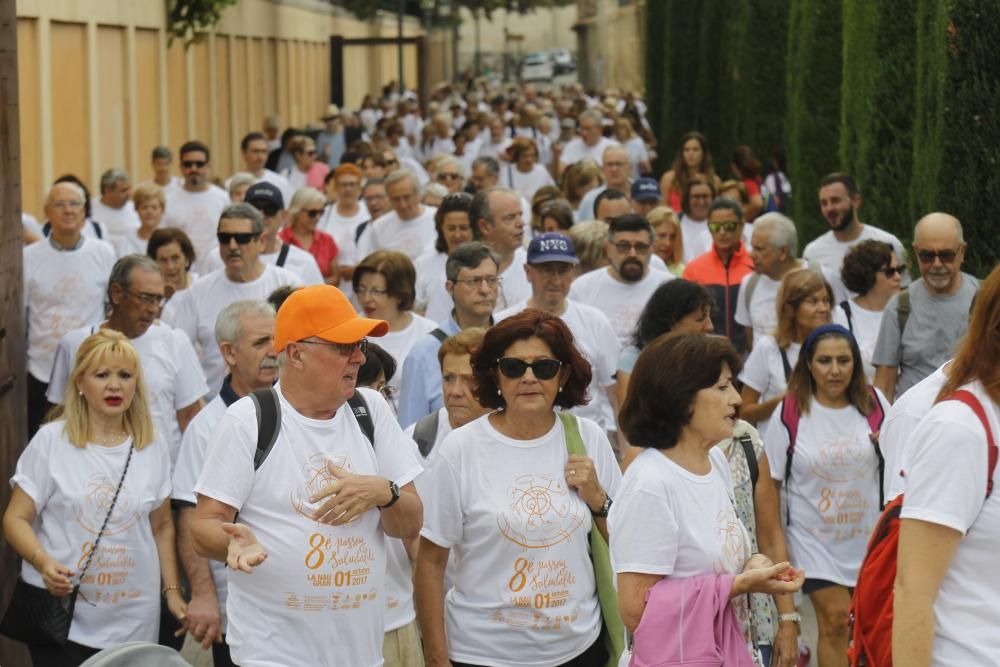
332 111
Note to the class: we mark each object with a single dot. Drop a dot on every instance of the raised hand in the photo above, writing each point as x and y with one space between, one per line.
245 552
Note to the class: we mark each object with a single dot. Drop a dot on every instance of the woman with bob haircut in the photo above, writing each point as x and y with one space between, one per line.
174 254
831 484
804 302
872 271
675 517
304 212
453 229
99 454
668 241
385 286
946 591
506 495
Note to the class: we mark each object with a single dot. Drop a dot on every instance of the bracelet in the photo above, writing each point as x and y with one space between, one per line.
167 589
793 617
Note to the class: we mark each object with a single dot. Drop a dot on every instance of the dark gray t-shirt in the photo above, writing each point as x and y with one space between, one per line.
933 330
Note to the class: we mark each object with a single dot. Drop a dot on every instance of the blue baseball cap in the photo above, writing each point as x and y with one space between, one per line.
551 247
646 189
263 192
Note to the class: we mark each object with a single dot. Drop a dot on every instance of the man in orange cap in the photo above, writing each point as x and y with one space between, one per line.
316 496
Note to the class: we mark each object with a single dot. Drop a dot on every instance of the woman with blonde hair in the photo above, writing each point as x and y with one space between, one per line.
304 212
90 512
150 202
668 242
804 302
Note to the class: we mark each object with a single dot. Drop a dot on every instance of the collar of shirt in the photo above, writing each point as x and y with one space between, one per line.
75 246
227 394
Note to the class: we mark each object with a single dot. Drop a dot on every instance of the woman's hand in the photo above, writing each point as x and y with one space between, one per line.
581 476
244 552
773 580
178 608
55 575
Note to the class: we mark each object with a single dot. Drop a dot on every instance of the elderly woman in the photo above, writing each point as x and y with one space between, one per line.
174 254
90 511
453 229
872 271
385 286
668 242
675 517
450 172
150 202
433 194
522 172
239 184
303 215
505 493
803 303
831 486
307 171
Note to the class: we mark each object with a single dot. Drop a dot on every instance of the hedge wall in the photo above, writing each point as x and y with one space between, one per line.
902 93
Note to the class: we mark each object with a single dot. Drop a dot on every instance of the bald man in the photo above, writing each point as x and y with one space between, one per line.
922 325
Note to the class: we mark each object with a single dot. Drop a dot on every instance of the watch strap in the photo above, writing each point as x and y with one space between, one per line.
394 490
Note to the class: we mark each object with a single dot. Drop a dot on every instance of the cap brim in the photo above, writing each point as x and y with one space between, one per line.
541 259
354 330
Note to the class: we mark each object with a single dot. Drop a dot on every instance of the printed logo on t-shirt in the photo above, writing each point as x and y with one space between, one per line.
94 507
733 544
541 512
840 460
316 475
107 579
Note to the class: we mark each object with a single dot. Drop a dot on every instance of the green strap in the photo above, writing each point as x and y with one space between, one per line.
614 629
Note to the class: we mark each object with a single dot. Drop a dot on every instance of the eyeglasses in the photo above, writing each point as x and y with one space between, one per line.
147 299
242 238
66 204
449 177
928 256
345 349
363 291
730 227
543 369
624 247
193 164
489 281
891 271
313 213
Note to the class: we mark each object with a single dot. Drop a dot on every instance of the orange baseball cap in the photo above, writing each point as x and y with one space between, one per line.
324 312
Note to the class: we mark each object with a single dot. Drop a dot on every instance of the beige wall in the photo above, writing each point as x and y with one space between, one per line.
611 53
100 87
541 29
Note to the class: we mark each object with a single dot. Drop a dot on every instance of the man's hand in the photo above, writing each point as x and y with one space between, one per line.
349 496
204 621
245 552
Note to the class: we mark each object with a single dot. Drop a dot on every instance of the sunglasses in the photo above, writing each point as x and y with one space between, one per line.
449 177
928 256
242 238
730 227
313 213
891 271
193 164
543 369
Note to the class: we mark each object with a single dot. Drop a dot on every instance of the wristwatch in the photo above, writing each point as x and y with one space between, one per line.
605 508
394 490
794 617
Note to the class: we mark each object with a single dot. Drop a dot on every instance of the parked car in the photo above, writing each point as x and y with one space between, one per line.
537 67
562 60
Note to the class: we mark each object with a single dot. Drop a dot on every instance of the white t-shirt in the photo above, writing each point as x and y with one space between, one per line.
576 149
196 309
197 215
188 467
399 609
298 261
63 290
864 325
622 303
525 184
117 222
637 153
514 285
946 485
343 229
432 296
900 425
832 496
597 342
697 239
524 586
399 343
320 593
829 252
275 179
764 370
412 237
494 150
129 243
72 488
170 371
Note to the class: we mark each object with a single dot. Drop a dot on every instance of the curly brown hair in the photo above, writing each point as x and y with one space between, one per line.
863 262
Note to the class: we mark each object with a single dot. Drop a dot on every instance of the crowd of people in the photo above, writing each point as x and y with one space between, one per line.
355 404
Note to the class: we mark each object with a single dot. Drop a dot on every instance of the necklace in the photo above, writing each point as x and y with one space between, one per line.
109 439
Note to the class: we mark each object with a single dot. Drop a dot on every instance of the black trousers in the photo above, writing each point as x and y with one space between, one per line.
70 655
595 656
38 404
220 654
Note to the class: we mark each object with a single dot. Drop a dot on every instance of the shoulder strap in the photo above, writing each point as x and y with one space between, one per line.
751 286
440 335
903 311
751 458
790 419
360 230
846 305
574 442
425 432
46 229
359 406
282 255
967 397
875 419
268 409
785 366
97 229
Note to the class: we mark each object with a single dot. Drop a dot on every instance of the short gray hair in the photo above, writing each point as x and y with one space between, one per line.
401 175
240 179
451 161
434 190
591 114
112 176
480 209
244 211
491 164
121 272
469 255
783 232
229 323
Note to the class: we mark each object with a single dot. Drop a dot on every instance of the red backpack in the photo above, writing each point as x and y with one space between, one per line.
871 606
790 415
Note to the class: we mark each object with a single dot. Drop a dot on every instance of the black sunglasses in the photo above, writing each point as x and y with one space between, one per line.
946 256
188 164
891 271
313 213
543 369
242 238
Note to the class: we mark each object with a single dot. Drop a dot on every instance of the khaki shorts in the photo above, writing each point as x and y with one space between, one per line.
401 647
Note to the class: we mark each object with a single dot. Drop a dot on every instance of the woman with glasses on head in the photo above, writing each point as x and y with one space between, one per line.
505 493
91 501
385 286
453 229
304 212
308 171
872 271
